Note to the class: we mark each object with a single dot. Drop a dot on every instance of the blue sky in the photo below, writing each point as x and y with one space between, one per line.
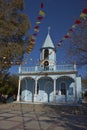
60 16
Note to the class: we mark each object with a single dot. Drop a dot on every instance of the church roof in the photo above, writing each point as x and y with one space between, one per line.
48 42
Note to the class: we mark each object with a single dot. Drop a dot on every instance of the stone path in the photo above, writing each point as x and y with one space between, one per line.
19 117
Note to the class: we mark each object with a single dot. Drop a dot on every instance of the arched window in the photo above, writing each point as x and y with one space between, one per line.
63 89
46 53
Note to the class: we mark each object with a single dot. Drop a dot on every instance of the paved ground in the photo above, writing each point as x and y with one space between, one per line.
19 117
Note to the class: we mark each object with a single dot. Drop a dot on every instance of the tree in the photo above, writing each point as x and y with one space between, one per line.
84 82
9 84
14 37
78 48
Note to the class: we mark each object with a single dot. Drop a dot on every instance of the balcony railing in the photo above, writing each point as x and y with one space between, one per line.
55 68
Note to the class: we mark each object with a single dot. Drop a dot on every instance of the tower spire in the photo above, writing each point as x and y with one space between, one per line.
49 29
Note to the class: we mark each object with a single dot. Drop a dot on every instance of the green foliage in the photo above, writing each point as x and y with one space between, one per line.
9 84
85 94
84 82
14 26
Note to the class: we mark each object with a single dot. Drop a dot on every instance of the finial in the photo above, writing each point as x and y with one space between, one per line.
49 29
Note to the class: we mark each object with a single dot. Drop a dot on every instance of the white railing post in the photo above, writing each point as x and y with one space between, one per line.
74 66
20 68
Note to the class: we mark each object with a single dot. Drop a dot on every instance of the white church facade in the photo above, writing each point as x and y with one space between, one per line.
49 82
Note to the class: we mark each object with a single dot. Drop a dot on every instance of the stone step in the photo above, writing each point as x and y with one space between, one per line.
59 109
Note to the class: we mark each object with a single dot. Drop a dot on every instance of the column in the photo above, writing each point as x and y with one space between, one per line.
54 90
75 90
18 96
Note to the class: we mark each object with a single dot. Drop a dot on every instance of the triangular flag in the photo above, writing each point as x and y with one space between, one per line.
36 30
82 15
42 5
38 22
66 36
59 44
36 27
77 22
42 13
35 34
71 30
85 11
73 26
40 18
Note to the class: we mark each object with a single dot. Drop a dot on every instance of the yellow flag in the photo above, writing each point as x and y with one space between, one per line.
38 22
68 34
42 13
36 30
82 15
73 26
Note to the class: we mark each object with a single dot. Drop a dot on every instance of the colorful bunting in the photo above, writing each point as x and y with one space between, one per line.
85 11
73 26
38 22
36 28
77 22
42 5
42 13
35 34
82 15
59 44
71 30
66 36
39 17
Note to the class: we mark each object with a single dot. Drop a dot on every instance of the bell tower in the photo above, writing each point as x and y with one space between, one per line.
48 53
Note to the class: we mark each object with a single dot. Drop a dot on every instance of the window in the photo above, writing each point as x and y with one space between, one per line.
63 89
46 65
46 53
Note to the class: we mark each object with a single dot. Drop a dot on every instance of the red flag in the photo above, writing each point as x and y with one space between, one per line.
40 18
36 27
85 11
35 34
71 30
32 40
66 36
42 5
77 22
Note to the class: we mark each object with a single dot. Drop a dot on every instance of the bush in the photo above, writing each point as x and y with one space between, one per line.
85 94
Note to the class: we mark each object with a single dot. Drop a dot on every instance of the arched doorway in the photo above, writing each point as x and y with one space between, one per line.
64 84
27 89
46 89
63 88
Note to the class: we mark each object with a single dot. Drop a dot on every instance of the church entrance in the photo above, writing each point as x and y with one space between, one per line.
64 91
46 89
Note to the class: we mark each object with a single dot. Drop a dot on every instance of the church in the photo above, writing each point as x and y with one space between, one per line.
49 82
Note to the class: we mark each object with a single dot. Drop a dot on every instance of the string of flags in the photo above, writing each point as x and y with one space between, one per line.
83 16
41 15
